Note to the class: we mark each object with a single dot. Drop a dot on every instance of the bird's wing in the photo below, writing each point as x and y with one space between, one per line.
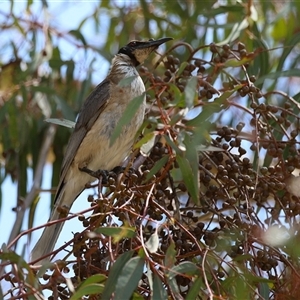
90 111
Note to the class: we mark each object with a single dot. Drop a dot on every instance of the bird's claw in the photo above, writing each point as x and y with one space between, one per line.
97 174
104 174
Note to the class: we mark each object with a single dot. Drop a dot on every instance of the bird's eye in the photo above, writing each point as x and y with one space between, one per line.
131 44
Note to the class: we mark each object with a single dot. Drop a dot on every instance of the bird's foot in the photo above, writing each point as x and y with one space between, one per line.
97 174
104 174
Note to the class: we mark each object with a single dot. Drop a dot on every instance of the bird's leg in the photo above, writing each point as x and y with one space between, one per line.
97 174
104 174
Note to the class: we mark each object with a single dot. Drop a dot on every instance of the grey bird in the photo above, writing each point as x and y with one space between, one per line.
90 145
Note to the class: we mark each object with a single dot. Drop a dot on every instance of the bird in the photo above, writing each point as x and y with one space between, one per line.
89 146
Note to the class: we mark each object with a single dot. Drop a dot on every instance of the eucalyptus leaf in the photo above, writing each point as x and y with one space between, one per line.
61 122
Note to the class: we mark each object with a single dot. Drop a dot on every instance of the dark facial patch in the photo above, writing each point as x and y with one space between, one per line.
129 51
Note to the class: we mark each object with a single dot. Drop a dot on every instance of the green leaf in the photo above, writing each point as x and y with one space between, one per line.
190 91
55 62
170 256
235 32
129 278
220 103
181 68
195 289
92 285
125 82
129 113
170 260
188 177
146 143
78 35
90 289
279 30
114 273
185 267
264 290
14 258
159 292
118 233
157 167
288 47
153 242
61 122
70 70
234 63
278 74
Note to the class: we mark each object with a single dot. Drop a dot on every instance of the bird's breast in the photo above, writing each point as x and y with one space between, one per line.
96 151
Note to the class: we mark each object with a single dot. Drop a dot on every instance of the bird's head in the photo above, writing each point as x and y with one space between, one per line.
138 51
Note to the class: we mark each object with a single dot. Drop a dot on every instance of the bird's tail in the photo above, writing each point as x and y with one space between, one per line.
47 241
67 192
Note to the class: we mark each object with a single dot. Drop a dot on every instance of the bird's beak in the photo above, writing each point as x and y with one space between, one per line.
153 43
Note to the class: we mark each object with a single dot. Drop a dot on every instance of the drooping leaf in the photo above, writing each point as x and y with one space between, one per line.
153 242
114 273
169 262
128 114
188 177
157 167
78 35
129 278
170 256
61 122
196 289
117 233
159 292
185 267
279 74
190 91
92 285
126 81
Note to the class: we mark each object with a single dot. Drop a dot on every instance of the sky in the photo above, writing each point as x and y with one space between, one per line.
66 15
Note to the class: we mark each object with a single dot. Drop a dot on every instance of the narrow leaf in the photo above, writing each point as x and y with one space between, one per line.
78 35
129 113
146 143
170 256
276 75
157 167
114 274
117 233
220 103
92 285
129 278
185 267
235 32
195 289
288 47
264 290
126 81
61 122
159 292
153 242
90 289
188 177
190 91
181 68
